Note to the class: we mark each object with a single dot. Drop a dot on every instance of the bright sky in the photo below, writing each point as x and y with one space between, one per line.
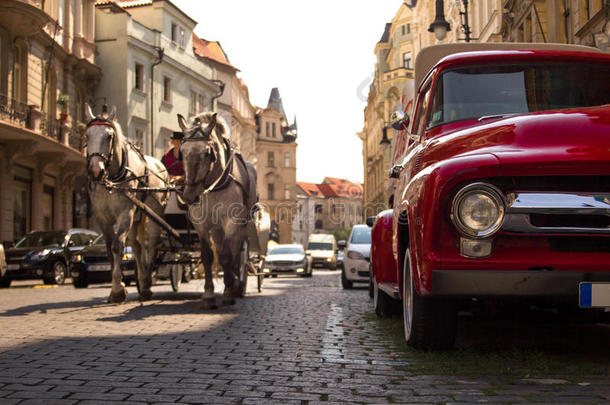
319 53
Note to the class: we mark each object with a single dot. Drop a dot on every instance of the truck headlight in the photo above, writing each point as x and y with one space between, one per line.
478 210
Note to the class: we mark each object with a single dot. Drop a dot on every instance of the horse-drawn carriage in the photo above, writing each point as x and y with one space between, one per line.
172 229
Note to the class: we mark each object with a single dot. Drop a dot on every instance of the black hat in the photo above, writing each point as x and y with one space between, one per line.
177 135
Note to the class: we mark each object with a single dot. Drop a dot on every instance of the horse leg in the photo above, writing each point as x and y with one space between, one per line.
229 260
118 292
145 243
208 300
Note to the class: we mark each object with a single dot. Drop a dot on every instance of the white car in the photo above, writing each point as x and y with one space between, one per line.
287 259
357 256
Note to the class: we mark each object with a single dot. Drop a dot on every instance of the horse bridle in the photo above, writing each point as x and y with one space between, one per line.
107 158
210 151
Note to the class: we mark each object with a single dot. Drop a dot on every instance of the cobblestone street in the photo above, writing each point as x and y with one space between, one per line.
300 341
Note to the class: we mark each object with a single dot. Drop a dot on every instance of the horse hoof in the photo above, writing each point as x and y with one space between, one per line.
145 295
117 298
208 303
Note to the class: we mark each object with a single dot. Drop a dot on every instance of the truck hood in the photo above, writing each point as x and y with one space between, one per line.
562 138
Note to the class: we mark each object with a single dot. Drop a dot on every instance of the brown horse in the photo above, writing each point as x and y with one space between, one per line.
112 160
220 188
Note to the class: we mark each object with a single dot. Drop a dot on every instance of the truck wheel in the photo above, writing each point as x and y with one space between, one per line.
5 282
347 284
384 307
429 323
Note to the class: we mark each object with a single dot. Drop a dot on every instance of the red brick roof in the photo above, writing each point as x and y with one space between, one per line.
210 50
310 189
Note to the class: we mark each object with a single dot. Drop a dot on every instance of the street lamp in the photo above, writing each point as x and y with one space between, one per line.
440 26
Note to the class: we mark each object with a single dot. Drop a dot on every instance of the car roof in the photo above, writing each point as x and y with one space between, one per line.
429 56
288 245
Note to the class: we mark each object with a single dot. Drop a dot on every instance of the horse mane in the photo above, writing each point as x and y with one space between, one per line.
222 128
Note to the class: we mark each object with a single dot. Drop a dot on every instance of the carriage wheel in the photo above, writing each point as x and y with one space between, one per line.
243 268
175 276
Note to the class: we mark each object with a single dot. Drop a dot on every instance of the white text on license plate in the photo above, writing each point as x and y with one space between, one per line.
594 295
13 266
99 267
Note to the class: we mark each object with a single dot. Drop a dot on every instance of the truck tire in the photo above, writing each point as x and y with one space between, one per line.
429 323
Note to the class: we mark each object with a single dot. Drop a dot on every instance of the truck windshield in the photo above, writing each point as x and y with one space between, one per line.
319 246
492 90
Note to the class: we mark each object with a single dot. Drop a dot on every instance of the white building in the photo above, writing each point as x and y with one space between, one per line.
151 72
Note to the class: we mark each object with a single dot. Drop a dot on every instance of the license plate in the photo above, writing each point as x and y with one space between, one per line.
129 272
594 295
13 266
99 267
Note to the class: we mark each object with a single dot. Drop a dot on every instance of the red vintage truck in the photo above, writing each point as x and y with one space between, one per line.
503 187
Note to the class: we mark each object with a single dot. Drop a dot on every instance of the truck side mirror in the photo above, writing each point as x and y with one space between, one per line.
399 120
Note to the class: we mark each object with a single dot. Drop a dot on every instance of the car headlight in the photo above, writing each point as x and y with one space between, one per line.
128 256
76 259
40 255
355 255
478 210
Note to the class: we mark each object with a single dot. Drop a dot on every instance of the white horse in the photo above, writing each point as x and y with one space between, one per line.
114 161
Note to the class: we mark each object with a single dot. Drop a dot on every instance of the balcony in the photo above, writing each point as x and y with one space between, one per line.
14 111
397 75
23 17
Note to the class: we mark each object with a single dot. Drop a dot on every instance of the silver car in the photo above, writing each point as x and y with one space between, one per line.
287 259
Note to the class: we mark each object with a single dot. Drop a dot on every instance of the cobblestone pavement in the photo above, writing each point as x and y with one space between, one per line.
300 341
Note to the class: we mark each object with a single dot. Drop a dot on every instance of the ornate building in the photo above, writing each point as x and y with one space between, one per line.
47 72
276 164
154 68
391 90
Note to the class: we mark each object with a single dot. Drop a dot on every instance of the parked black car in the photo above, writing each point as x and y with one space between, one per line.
91 265
45 255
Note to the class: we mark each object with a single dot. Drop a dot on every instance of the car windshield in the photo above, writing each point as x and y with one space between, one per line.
286 250
42 239
361 235
99 240
319 246
475 92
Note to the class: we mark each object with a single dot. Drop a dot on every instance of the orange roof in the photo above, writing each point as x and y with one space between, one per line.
310 189
210 50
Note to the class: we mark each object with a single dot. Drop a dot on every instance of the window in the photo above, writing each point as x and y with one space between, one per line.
139 138
182 38
267 131
201 103
421 110
167 89
404 30
19 74
270 191
406 57
287 159
270 159
319 224
318 208
408 28
273 130
174 33
193 106
139 77
286 192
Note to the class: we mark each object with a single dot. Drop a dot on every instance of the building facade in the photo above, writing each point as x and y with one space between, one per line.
276 164
390 90
151 71
335 204
47 72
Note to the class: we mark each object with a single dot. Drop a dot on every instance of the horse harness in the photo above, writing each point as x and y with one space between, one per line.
121 177
226 176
